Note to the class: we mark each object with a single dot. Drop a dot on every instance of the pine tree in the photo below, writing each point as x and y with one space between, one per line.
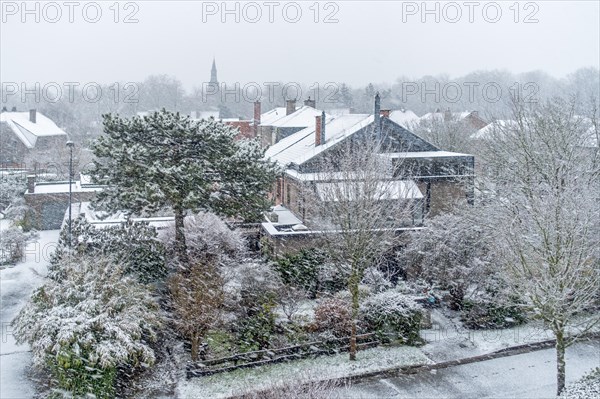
168 161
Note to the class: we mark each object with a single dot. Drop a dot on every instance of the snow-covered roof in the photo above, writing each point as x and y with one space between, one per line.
285 216
386 190
404 118
271 116
327 176
27 131
300 146
102 220
303 117
441 115
424 154
59 187
487 131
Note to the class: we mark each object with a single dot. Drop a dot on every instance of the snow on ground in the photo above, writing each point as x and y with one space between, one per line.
325 367
529 375
16 285
449 340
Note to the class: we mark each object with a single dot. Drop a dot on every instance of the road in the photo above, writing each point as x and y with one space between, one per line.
16 285
530 375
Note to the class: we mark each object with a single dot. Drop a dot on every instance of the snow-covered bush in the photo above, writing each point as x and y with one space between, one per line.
12 187
301 269
12 244
133 244
333 315
207 233
481 314
585 388
251 293
86 321
255 330
391 312
375 279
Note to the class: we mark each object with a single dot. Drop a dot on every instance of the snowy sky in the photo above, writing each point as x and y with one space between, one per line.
372 41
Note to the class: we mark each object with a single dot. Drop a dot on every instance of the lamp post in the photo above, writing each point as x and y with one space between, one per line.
70 144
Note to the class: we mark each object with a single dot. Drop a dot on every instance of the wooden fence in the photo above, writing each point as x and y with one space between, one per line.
272 356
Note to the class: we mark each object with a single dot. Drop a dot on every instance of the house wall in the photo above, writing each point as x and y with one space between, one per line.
441 194
266 135
48 210
12 150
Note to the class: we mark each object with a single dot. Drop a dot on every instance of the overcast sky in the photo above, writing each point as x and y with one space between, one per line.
372 41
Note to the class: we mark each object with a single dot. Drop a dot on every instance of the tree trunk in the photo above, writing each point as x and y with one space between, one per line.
560 362
180 246
195 346
354 292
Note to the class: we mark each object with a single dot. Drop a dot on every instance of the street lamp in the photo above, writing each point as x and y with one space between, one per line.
70 144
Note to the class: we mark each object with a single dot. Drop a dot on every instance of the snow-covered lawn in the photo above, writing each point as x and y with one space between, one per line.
16 285
227 384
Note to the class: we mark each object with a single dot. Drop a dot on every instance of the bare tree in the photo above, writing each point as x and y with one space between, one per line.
544 175
445 131
197 296
360 206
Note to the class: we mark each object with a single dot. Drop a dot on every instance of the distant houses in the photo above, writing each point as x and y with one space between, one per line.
469 119
276 124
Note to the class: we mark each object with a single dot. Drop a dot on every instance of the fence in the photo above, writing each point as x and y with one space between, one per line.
272 356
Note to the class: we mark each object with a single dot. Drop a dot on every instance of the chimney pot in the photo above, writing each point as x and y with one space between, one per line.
385 113
3 109
14 109
290 107
310 103
447 115
32 115
31 184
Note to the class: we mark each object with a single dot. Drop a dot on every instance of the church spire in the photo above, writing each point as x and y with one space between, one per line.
213 73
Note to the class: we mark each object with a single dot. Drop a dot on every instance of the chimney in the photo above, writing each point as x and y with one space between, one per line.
310 103
32 115
385 113
14 109
31 184
323 127
256 118
447 115
475 114
318 127
3 109
290 107
377 116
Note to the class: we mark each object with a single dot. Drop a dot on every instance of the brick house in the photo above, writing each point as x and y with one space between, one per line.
49 201
28 136
273 126
435 179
